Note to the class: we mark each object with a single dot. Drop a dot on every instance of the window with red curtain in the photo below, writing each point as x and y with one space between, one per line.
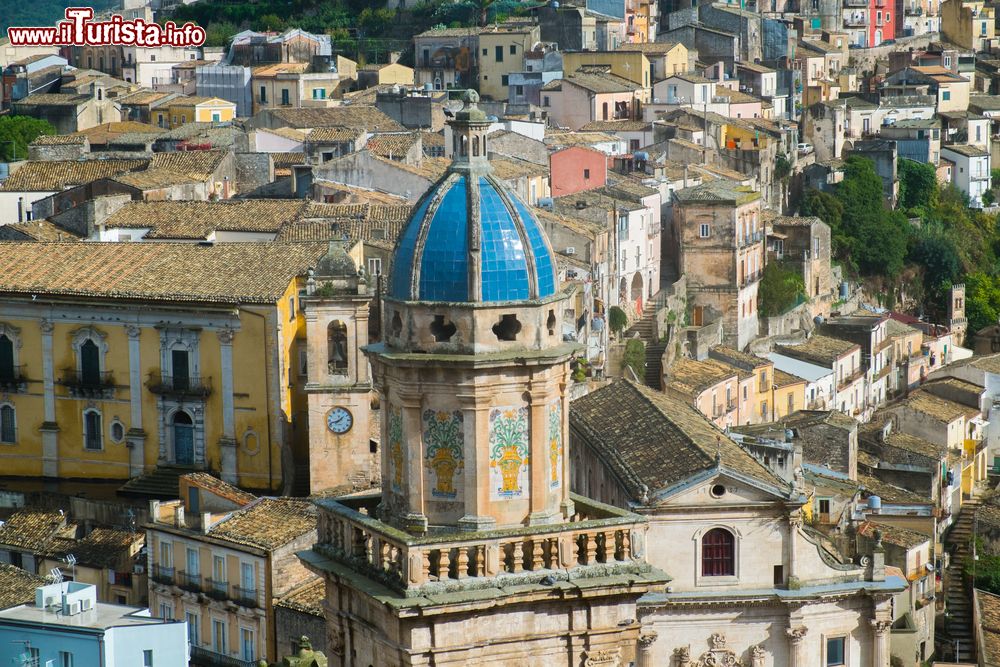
718 554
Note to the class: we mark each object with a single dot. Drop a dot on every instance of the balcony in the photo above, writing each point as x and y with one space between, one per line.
162 575
849 380
206 656
217 590
245 597
189 582
597 541
855 3
730 405
751 238
856 22
751 278
913 11
89 384
179 386
14 380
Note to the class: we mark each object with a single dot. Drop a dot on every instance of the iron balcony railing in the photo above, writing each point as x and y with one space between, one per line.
206 656
217 590
189 582
89 383
179 385
12 379
162 575
246 597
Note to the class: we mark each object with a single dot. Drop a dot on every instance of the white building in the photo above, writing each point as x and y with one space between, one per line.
821 389
972 171
68 627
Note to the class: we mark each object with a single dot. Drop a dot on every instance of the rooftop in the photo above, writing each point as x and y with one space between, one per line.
17 586
720 191
987 615
56 175
267 523
217 487
229 273
822 350
354 116
103 547
307 598
693 376
900 537
939 409
102 616
650 438
32 530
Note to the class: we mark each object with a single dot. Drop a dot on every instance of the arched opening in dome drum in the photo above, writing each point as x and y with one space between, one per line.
336 342
443 331
475 146
507 328
397 324
550 323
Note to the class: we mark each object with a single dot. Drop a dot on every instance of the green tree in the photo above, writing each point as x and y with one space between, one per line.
918 186
877 237
617 320
635 357
933 248
982 299
16 132
780 289
827 208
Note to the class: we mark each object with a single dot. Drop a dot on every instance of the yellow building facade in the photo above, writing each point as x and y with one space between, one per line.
200 110
179 355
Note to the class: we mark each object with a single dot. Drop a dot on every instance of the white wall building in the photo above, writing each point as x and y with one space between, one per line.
972 171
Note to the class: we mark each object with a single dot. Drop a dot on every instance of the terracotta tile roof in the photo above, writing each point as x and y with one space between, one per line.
783 379
356 117
900 537
280 68
890 493
650 438
101 134
219 488
199 165
579 138
286 160
31 529
222 273
511 168
268 523
143 97
286 132
823 350
197 219
650 47
717 191
103 547
307 598
431 139
53 99
987 615
693 377
193 100
58 140
56 175
36 230
17 586
358 222
940 409
155 179
595 82
806 418
618 126
450 32
354 195
431 168
899 447
391 145
333 135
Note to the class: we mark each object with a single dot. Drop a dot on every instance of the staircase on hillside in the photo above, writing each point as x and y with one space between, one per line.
644 329
160 483
957 596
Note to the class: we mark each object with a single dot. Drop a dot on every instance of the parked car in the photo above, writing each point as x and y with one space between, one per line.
805 149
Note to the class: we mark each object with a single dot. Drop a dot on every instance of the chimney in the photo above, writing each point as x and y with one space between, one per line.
20 209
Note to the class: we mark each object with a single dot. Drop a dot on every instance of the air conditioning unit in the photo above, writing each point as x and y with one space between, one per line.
571 250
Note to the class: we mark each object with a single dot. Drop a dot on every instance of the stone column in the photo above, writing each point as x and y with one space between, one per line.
796 648
539 451
227 443
415 519
49 428
682 656
645 657
136 435
880 647
794 524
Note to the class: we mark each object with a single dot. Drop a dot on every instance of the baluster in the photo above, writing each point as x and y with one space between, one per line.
369 548
590 547
626 545
480 556
426 565
536 554
609 547
554 563
518 557
444 566
619 545
384 555
463 562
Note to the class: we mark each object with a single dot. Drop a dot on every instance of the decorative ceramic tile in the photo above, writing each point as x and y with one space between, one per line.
444 454
555 445
510 460
397 455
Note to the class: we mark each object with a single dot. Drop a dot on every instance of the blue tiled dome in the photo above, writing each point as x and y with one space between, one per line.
436 258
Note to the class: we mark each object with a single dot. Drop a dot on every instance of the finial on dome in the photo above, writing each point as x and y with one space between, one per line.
470 97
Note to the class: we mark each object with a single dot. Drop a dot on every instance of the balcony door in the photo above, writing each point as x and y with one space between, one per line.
183 429
180 369
90 363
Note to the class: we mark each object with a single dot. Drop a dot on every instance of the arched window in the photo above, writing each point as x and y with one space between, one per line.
475 146
718 554
8 424
336 343
92 439
90 363
6 358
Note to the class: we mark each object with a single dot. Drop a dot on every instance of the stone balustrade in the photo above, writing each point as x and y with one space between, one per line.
598 536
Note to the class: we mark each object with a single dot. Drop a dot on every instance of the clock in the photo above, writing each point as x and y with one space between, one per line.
339 420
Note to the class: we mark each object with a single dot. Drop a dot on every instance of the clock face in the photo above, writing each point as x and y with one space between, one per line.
339 420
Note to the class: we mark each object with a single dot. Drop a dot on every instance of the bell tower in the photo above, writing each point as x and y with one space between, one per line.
338 384
473 371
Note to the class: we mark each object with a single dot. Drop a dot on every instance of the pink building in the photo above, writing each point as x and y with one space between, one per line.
576 169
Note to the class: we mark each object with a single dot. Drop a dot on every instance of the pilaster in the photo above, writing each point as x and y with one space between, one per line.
414 519
476 413
796 648
136 436
49 428
880 647
227 442
645 656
